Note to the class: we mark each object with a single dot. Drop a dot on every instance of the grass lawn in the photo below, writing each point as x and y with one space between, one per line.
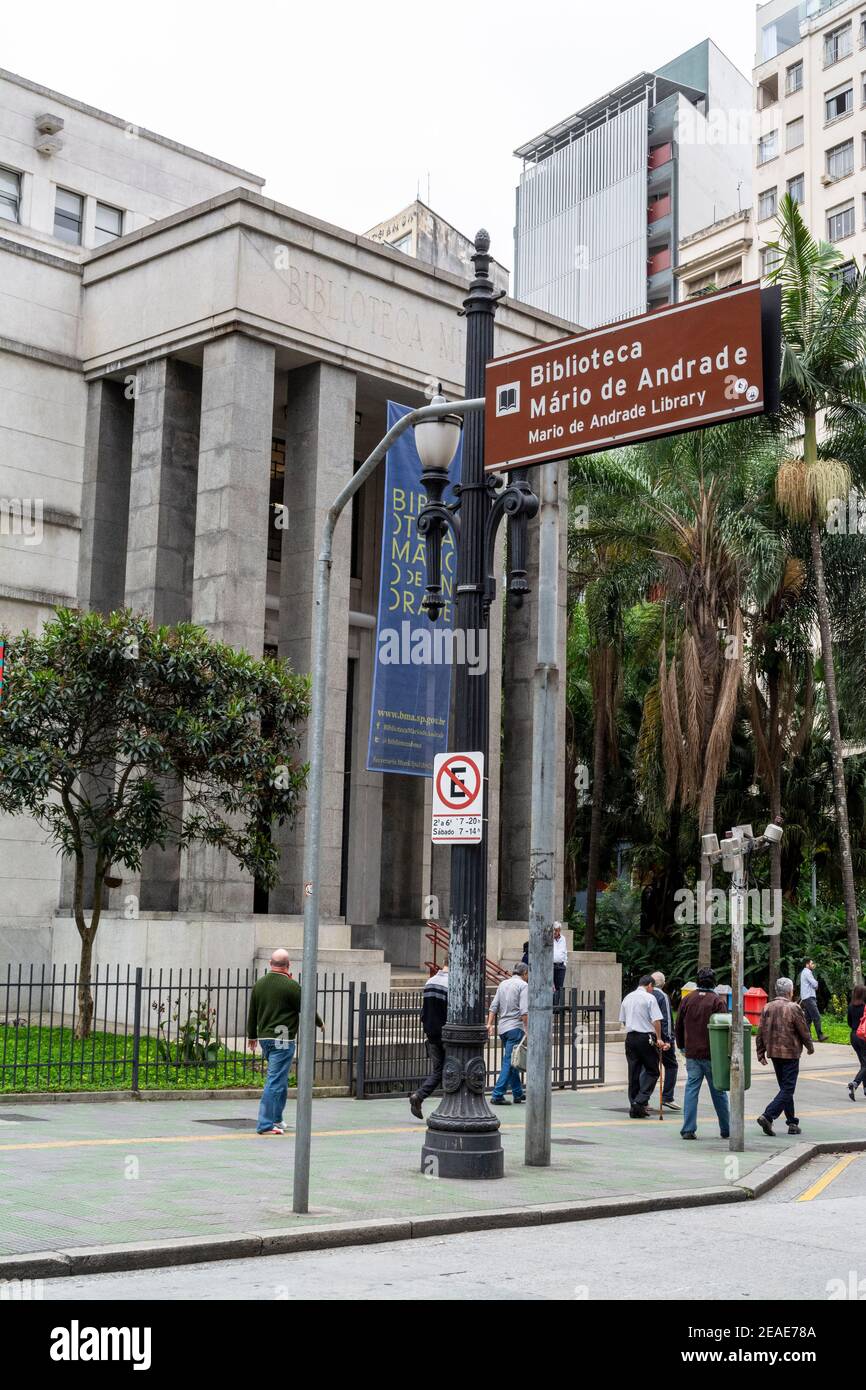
57 1061
837 1030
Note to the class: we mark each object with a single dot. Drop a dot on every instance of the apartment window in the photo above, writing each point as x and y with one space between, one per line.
768 147
797 188
863 30
840 160
109 224
10 195
766 204
839 102
840 221
68 208
863 88
794 79
404 244
771 256
837 45
794 135
846 274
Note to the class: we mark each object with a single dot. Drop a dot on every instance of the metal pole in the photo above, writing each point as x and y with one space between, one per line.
312 831
542 858
738 1093
463 1133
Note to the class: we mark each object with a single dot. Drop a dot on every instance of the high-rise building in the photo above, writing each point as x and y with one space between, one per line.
810 87
606 196
420 232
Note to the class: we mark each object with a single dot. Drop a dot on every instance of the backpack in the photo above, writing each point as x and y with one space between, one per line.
861 1027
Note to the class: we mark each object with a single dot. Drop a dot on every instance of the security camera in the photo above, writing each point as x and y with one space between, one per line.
709 845
773 833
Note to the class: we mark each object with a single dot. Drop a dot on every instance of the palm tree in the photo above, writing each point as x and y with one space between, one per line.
823 372
781 705
699 504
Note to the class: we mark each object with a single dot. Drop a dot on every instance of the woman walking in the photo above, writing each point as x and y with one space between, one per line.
855 1014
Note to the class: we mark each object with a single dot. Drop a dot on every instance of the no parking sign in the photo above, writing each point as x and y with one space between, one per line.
458 798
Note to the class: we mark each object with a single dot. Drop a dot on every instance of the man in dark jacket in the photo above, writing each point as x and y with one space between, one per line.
693 1038
669 1058
782 1034
434 1014
272 1021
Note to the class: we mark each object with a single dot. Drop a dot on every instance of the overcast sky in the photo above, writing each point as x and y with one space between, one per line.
348 108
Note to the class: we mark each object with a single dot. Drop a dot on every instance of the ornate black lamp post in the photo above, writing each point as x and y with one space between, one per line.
463 1134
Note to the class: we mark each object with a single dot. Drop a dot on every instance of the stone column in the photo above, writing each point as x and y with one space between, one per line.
160 547
162 494
230 565
104 508
320 445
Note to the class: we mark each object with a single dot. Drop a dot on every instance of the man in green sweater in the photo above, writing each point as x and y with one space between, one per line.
272 1021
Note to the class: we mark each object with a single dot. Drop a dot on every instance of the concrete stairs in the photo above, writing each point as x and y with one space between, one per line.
404 978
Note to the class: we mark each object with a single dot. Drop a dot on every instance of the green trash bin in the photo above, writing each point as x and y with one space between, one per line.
720 1051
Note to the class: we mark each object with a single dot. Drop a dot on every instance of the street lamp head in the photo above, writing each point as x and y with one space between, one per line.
437 440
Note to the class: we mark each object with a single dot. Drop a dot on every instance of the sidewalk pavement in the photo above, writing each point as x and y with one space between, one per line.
81 1176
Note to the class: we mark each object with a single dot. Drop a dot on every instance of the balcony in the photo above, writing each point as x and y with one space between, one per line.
659 208
662 154
659 261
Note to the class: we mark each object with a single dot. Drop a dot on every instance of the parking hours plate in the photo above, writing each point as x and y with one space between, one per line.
458 798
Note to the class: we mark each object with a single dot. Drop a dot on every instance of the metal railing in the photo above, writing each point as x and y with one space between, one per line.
392 1059
185 1030
163 1029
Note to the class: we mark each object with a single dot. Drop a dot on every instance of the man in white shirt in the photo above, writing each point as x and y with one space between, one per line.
642 1019
510 1006
809 999
560 961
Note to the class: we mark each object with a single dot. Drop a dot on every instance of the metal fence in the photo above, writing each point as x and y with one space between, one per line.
179 1030
164 1029
392 1058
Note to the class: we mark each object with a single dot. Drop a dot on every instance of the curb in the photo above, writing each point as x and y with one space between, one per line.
161 1254
220 1093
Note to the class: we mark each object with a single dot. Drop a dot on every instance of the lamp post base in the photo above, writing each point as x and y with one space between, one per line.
462 1155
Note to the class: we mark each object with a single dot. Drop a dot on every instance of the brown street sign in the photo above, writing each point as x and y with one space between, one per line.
677 368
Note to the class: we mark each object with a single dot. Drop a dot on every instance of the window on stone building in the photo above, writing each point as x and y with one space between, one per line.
109 224
840 221
838 102
68 211
766 204
10 195
794 134
278 476
840 160
768 147
797 188
837 44
770 258
794 79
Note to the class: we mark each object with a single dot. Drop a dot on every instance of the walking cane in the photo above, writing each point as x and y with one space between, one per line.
661 1082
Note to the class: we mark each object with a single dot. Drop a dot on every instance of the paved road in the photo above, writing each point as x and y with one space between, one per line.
791 1245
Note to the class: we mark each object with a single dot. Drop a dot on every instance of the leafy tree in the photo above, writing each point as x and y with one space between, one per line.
104 719
700 504
823 373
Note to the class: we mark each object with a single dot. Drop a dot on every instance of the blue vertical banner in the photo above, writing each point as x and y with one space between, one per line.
411 687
